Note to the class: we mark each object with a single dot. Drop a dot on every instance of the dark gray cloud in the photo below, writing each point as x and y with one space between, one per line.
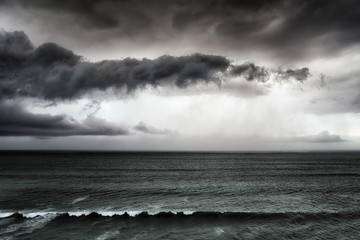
250 72
16 121
142 127
14 45
298 74
321 137
53 72
95 14
290 29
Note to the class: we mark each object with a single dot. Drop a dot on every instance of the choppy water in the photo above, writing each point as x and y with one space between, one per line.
79 195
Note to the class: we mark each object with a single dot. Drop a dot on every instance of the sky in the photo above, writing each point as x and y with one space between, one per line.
213 75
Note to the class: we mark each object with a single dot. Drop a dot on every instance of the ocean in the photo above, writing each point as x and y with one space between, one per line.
179 195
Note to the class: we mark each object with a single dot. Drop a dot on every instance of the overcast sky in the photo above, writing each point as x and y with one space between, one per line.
180 74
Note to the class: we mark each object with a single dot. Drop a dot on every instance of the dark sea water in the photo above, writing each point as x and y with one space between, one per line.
148 195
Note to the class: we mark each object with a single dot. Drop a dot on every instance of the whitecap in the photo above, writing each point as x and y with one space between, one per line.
133 213
37 214
188 212
79 213
6 214
79 199
111 213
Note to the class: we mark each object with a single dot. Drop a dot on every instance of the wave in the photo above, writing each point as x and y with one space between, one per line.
79 199
23 227
199 214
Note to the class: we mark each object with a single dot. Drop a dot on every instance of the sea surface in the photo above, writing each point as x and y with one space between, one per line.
179 195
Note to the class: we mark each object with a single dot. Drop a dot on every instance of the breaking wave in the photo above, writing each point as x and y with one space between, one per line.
200 214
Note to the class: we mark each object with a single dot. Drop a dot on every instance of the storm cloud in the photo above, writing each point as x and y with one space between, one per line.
53 72
289 29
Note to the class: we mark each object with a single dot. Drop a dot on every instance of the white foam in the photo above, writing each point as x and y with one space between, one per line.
37 214
110 213
133 213
6 214
79 213
188 212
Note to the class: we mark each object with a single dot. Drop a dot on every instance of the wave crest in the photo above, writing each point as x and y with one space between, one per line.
202 214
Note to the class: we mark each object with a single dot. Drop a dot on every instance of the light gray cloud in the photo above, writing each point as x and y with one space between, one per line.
341 94
93 106
321 137
142 127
